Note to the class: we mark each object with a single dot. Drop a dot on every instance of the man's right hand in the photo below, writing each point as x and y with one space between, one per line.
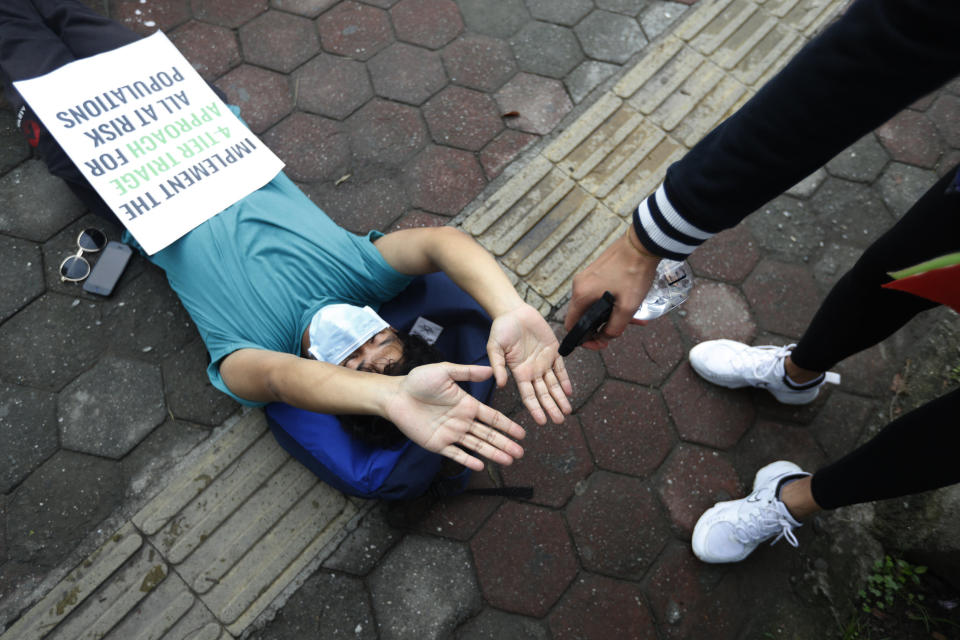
625 270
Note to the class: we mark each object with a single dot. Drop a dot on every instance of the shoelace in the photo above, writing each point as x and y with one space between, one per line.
762 523
764 359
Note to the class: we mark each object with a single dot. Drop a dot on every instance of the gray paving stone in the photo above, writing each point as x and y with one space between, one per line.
850 212
901 185
806 187
627 7
546 49
502 18
13 146
329 605
28 431
189 392
109 409
659 16
565 12
424 589
364 547
59 504
587 77
836 260
146 467
493 624
21 274
787 227
36 204
50 342
610 37
862 161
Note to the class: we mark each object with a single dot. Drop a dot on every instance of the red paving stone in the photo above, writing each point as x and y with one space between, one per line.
945 113
147 18
361 202
228 13
606 520
462 118
419 220
307 8
354 30
332 86
428 23
502 150
212 50
444 180
627 428
598 607
677 586
263 96
407 73
783 297
279 41
769 441
911 137
705 413
692 480
386 132
539 103
531 574
479 62
717 310
729 256
586 372
645 354
459 517
314 148
555 460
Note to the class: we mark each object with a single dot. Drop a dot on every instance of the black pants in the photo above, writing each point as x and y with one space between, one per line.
918 451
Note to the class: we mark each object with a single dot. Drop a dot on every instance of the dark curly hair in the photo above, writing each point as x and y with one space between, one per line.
380 432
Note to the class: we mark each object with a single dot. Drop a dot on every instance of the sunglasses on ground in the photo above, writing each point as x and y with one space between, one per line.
75 268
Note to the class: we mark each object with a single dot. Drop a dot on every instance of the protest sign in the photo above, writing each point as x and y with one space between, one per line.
158 145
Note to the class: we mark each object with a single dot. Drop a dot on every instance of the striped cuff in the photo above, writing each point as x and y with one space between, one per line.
663 231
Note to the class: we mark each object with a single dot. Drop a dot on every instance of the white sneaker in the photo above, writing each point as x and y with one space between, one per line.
734 365
730 531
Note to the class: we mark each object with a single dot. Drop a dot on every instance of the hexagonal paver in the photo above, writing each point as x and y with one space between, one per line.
862 161
459 517
13 146
646 354
501 151
279 41
586 371
386 132
851 212
50 342
901 185
704 412
838 425
626 7
424 588
658 17
500 19
783 296
332 86
585 78
189 393
48 516
730 255
28 430
96 414
837 259
21 274
716 310
599 607
428 23
212 50
229 13
263 96
912 138
354 30
788 228
308 8
693 480
770 441
497 624
444 180
407 73
945 114
365 545
420 220
806 187
146 18
555 460
605 517
538 103
313 148
363 202
546 49
610 37
35 204
462 118
479 62
530 574
565 12
611 421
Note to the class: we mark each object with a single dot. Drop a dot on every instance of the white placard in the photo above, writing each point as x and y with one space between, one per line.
153 139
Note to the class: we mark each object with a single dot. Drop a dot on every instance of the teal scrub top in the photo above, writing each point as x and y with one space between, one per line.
254 275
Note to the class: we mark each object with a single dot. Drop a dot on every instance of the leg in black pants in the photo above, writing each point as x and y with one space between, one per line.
917 452
39 37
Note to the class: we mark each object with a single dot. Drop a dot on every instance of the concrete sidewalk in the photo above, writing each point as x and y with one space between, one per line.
536 126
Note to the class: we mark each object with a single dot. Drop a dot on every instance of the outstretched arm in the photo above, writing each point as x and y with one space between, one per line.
427 405
520 339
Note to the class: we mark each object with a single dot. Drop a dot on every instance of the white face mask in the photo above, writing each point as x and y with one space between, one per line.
337 330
